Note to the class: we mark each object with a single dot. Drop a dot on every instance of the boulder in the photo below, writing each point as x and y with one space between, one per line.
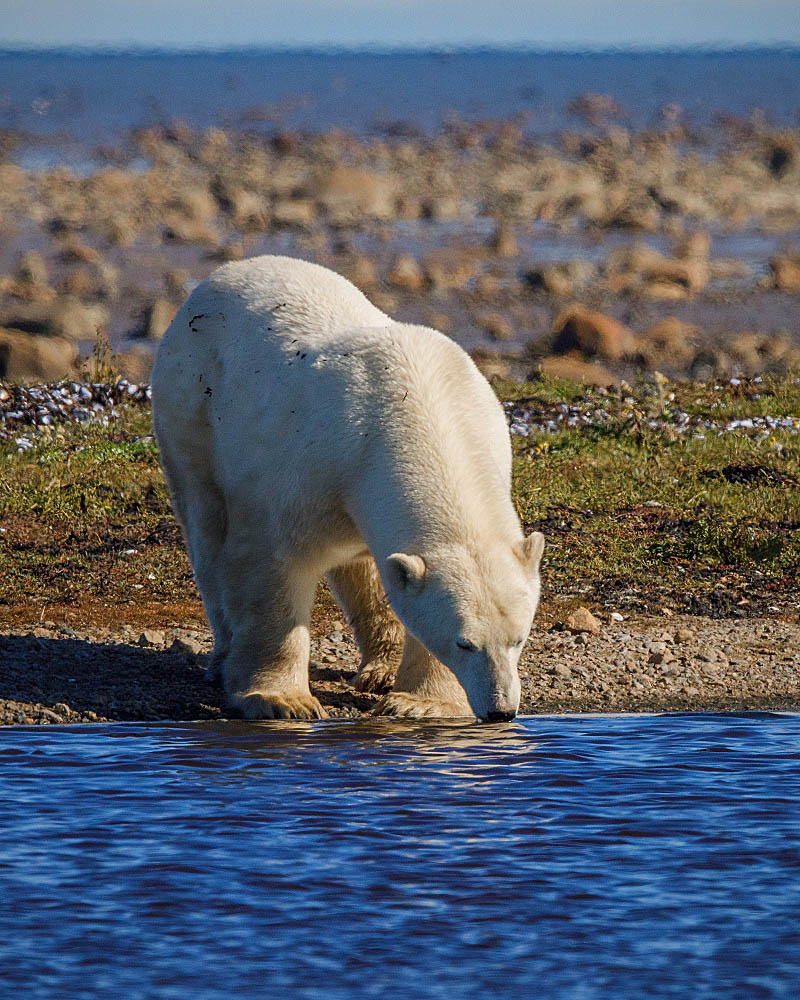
592 334
293 213
496 325
405 272
785 272
78 320
351 194
157 318
670 343
25 356
135 363
574 368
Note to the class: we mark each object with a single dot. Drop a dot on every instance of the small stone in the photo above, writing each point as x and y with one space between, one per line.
329 658
335 636
657 656
61 709
186 647
684 635
582 620
151 637
615 616
562 671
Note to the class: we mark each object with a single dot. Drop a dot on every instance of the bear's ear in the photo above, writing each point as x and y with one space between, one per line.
529 550
406 572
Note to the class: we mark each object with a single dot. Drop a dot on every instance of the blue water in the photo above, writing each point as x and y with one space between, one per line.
97 96
594 858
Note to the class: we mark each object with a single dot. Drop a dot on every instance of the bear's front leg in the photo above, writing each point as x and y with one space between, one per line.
424 688
265 672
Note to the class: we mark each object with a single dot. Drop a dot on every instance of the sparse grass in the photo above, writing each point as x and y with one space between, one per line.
634 516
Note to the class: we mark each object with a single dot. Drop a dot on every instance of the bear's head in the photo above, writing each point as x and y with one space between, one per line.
473 609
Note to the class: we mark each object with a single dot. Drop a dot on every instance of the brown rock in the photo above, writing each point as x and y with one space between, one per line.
496 325
446 268
582 620
694 246
550 279
157 318
591 333
31 269
504 242
24 356
406 273
351 194
785 271
362 272
78 320
291 213
574 368
135 363
670 343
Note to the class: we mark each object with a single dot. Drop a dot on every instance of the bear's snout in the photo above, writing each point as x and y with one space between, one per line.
500 716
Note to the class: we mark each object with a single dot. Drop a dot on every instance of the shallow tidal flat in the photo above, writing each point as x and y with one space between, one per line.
671 514
592 254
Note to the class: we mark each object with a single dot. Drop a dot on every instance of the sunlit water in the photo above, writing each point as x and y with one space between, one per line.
570 857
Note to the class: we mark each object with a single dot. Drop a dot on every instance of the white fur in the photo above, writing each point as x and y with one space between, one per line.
303 432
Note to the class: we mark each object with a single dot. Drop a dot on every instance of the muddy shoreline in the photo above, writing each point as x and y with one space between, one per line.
54 674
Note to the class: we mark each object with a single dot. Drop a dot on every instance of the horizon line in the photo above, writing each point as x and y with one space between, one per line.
432 49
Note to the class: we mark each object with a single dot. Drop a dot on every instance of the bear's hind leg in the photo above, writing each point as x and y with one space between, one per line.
359 593
269 609
424 688
200 508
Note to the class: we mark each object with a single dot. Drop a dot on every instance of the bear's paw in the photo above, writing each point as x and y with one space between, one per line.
403 705
377 676
276 705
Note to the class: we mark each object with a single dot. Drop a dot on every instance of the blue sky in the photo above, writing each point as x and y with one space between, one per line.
546 23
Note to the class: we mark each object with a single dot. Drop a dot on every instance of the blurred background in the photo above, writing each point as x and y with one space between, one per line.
592 189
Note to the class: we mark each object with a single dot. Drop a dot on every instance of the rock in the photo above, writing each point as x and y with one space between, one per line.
406 273
351 194
504 242
25 356
684 635
77 320
670 343
292 213
582 620
573 368
694 246
496 325
595 109
135 363
446 268
592 333
785 272
563 671
550 279
157 318
151 638
362 272
186 646
31 269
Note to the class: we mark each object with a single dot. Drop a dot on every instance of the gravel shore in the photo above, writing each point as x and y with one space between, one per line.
53 674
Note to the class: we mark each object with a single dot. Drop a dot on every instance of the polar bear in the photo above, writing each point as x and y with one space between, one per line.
303 434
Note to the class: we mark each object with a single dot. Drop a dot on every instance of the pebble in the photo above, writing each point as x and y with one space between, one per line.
60 402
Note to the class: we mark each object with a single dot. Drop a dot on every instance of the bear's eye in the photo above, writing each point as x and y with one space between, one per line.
470 647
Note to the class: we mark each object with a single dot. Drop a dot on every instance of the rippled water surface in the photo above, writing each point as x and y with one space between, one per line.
568 857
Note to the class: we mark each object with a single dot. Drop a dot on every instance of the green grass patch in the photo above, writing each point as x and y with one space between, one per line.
634 514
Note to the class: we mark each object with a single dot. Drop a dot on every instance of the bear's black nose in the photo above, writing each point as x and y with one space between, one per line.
500 716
